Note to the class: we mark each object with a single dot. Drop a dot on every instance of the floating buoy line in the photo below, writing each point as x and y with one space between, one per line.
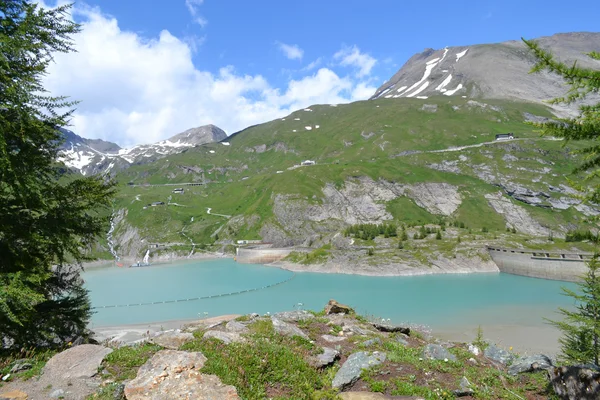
213 296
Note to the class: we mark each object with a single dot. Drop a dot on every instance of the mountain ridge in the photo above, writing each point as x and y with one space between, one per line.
96 156
492 71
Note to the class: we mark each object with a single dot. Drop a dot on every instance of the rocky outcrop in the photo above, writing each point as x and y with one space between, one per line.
176 375
437 198
225 337
325 359
515 215
294 316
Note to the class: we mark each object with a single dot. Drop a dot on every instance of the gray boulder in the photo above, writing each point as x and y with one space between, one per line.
77 362
352 368
464 388
225 337
372 342
236 327
171 374
325 359
294 316
392 328
286 329
402 340
498 355
172 339
437 352
530 364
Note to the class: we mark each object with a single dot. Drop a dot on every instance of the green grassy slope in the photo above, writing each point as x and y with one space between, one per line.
384 139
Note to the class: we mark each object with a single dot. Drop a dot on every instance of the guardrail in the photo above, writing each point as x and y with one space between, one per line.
543 254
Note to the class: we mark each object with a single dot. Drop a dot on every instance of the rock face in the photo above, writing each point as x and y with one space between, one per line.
176 375
498 71
575 382
352 368
437 352
78 362
286 329
530 364
172 340
516 216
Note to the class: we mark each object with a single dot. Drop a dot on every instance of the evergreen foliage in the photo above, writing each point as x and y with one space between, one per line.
580 236
49 219
585 126
580 342
371 231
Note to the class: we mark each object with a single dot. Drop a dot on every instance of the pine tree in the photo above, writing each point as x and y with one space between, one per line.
581 328
580 342
585 126
48 217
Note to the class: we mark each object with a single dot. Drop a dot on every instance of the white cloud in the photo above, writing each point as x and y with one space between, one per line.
135 89
193 6
313 65
351 56
291 51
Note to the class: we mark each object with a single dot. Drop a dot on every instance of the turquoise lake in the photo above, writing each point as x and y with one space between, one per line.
435 300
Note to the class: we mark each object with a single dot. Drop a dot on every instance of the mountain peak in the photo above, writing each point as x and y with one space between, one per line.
499 70
200 135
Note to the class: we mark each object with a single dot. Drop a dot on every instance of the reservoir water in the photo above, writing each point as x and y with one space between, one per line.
439 301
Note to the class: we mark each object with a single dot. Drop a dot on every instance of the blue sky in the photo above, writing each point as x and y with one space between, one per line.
147 69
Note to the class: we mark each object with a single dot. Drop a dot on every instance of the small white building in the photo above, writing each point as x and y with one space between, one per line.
308 162
505 136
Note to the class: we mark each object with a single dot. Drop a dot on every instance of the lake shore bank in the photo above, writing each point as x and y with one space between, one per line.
524 340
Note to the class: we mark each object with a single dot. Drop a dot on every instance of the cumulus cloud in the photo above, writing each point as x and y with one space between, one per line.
352 57
193 7
134 89
291 51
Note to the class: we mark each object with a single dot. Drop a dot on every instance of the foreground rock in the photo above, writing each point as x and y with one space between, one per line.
352 368
530 364
437 352
13 395
575 382
464 388
78 362
236 327
498 355
173 374
374 396
333 307
286 329
392 328
173 339
225 337
325 359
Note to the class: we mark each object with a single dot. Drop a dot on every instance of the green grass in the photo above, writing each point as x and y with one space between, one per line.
36 357
123 363
271 363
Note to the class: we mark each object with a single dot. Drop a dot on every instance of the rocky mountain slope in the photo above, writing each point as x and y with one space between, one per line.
97 156
490 71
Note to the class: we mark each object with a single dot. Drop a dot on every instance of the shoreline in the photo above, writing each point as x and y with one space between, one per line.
522 339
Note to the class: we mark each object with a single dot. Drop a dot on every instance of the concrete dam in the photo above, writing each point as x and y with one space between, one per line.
544 264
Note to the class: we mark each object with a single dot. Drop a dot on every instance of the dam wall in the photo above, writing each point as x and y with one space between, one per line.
541 264
247 255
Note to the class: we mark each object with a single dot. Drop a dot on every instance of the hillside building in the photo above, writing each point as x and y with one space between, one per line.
505 136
